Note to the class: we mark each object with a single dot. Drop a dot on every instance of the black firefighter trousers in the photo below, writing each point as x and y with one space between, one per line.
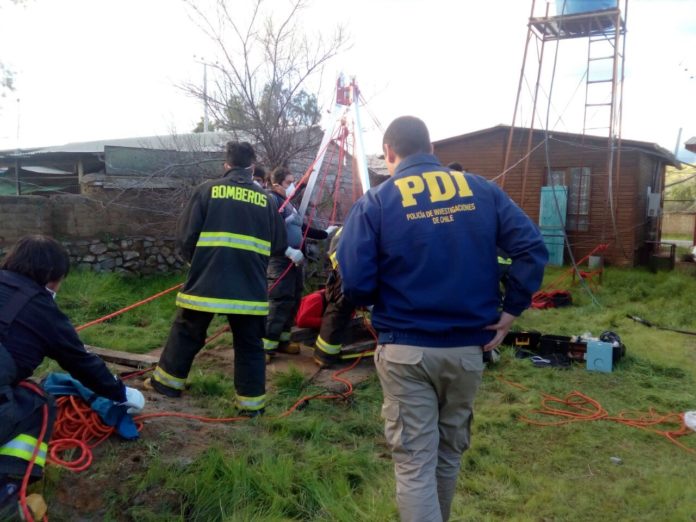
286 285
22 414
338 313
187 337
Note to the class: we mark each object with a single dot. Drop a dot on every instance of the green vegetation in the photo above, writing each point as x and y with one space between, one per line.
680 195
328 461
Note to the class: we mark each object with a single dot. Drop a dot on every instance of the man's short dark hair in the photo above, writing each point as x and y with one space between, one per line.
239 154
407 135
456 166
40 258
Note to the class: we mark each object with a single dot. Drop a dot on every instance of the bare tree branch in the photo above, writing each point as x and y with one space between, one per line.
262 90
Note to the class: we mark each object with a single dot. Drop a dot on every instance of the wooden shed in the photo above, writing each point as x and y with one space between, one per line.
560 180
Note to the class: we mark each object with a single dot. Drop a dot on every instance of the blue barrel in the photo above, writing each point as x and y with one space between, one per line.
568 7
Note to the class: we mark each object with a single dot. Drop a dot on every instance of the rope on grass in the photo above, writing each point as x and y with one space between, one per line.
579 407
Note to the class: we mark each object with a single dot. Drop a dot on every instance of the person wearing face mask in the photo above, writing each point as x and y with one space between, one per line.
259 177
285 273
33 327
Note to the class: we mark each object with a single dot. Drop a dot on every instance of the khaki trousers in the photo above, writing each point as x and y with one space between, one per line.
428 410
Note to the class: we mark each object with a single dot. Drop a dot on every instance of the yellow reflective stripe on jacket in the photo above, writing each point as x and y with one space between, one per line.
168 379
251 403
504 260
285 336
221 306
332 255
269 345
228 239
331 349
22 447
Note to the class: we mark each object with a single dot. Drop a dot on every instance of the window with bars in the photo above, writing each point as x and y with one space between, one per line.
577 179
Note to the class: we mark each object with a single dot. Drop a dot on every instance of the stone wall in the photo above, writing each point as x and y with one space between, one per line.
136 255
98 236
130 255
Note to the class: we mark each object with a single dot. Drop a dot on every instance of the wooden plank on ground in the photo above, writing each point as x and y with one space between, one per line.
133 360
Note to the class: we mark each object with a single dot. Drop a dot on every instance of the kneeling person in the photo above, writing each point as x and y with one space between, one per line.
33 327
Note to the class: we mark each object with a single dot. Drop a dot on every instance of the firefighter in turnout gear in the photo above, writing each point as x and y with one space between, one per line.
228 231
337 315
33 327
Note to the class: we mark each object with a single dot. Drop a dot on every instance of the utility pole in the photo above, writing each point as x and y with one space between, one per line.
206 123
676 147
205 97
18 184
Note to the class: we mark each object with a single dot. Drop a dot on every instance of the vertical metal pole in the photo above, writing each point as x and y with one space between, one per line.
359 156
18 186
205 97
307 196
17 182
517 99
676 146
534 105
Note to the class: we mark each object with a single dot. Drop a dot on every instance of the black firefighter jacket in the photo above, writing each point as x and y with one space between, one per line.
41 330
228 230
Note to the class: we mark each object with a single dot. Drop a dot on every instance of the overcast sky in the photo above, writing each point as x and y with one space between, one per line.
100 69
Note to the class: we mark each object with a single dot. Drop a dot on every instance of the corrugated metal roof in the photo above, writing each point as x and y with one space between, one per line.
203 141
191 142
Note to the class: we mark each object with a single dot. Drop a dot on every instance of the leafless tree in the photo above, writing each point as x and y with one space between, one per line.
261 79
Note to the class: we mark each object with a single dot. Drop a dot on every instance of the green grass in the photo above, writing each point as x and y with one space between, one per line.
328 461
86 296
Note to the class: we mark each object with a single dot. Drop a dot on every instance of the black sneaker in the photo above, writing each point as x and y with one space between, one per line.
161 388
323 359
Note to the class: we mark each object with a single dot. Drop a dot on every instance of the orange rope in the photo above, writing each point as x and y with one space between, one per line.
77 426
578 407
129 307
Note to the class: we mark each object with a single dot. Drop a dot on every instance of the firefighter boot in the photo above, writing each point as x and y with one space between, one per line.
152 384
288 347
323 359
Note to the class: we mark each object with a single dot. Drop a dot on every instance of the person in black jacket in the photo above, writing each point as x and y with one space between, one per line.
285 273
33 327
228 230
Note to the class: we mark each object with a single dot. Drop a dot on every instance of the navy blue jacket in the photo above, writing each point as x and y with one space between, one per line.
422 247
41 330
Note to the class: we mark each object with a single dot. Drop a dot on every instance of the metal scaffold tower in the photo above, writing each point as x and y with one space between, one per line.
602 24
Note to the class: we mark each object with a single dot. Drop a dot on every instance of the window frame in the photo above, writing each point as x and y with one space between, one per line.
579 185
